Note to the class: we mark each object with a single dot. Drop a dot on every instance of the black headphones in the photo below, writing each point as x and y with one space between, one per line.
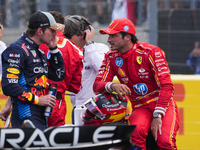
84 24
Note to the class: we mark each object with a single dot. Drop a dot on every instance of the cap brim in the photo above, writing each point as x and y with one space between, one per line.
108 31
58 27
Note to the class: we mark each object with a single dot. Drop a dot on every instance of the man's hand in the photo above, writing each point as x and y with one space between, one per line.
156 125
89 34
5 112
47 100
121 89
53 42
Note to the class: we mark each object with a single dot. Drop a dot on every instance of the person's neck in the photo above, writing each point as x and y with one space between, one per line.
79 43
82 44
36 40
126 48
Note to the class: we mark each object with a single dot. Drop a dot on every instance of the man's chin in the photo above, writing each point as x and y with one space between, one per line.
113 49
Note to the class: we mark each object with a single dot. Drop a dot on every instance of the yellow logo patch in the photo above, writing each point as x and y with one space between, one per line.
13 70
12 76
121 72
139 59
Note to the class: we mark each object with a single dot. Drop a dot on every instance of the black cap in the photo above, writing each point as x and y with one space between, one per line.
44 19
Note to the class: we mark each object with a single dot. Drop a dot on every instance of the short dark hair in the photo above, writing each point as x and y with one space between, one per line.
134 39
74 25
57 16
31 32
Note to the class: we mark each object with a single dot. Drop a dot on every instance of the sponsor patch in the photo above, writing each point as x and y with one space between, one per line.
13 65
17 61
160 64
28 96
36 60
121 72
139 59
125 80
41 81
13 80
14 55
33 53
13 70
119 61
142 70
140 88
126 28
12 76
87 67
158 54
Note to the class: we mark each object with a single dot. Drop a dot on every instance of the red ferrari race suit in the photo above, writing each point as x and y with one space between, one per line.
72 56
145 71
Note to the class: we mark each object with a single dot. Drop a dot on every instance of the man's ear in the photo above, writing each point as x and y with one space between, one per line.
128 37
39 31
83 35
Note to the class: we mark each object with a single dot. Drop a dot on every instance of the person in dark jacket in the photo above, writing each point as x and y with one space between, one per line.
26 69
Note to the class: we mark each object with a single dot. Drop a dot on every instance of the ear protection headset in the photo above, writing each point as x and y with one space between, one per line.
84 24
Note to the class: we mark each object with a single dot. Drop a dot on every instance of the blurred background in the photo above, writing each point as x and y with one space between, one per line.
173 25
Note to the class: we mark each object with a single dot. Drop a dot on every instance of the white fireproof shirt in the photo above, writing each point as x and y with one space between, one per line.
93 57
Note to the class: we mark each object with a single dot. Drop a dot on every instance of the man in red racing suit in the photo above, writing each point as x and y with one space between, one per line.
72 56
145 77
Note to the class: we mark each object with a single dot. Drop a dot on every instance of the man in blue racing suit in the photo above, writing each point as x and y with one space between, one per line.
26 69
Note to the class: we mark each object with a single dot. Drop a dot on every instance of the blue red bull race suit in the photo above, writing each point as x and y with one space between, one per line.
25 72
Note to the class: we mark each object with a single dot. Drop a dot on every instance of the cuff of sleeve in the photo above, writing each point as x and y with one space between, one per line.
36 100
108 88
160 110
89 43
89 48
54 51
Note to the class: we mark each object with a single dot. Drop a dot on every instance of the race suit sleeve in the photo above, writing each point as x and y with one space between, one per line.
14 61
56 69
75 82
104 77
163 78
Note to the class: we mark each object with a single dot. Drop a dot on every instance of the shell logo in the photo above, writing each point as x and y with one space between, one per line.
13 70
121 72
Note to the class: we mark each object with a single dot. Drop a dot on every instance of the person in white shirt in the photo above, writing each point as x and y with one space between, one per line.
81 33
93 57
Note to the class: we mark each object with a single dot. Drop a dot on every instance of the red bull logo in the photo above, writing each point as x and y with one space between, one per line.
42 81
27 95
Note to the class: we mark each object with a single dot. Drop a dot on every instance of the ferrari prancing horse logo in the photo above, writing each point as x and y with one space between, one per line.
139 59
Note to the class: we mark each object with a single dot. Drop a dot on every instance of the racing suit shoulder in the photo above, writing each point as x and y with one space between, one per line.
151 53
69 46
72 56
14 60
148 48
